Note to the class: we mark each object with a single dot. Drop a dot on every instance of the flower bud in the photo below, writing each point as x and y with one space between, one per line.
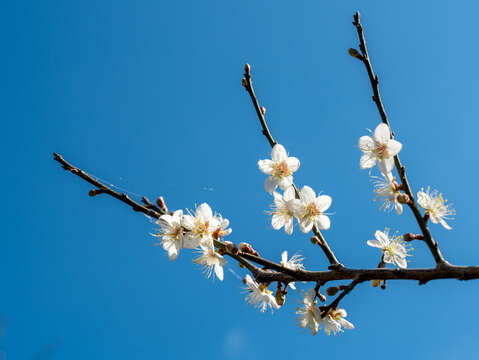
231 247
375 283
355 54
247 248
263 110
247 69
331 291
403 199
341 287
280 297
161 204
410 237
321 297
94 192
244 82
315 240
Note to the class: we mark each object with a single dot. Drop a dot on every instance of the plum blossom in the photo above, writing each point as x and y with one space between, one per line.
221 227
386 189
435 206
334 322
380 148
309 314
259 296
211 260
393 248
294 263
280 169
282 210
309 210
172 233
201 226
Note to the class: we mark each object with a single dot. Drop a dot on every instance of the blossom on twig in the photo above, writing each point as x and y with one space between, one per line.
309 314
202 225
386 189
259 296
294 263
380 148
393 248
309 210
280 168
282 210
334 322
435 206
172 233
211 260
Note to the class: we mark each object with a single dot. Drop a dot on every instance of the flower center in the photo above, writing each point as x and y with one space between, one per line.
381 151
281 169
311 211
202 228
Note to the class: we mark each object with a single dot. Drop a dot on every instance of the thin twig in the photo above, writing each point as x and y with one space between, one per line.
248 85
374 80
336 301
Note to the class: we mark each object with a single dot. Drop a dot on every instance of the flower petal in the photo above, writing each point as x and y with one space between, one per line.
323 222
289 194
286 182
307 194
382 133
323 202
293 163
266 166
288 226
374 243
386 165
393 147
368 160
271 184
443 223
401 262
278 153
277 221
366 143
219 272
204 213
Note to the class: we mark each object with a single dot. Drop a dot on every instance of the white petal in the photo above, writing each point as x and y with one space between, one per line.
292 286
443 223
382 133
293 163
219 272
288 226
393 147
386 165
346 324
271 183
366 143
277 221
401 262
284 257
188 222
296 206
374 243
306 225
398 207
368 160
289 194
286 182
323 202
323 222
204 213
266 166
388 258
173 253
278 153
307 194
381 237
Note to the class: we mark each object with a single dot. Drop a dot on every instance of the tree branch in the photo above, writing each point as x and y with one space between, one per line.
345 292
248 85
374 80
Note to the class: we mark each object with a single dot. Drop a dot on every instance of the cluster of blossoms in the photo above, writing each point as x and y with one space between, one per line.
203 229
304 205
380 149
178 231
310 316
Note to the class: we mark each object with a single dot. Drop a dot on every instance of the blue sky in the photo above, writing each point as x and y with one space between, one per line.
147 95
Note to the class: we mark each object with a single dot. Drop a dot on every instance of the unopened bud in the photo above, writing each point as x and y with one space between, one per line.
375 283
231 247
315 240
94 192
244 82
395 185
247 248
331 291
263 110
161 204
341 287
247 69
410 237
403 199
321 297
280 297
354 53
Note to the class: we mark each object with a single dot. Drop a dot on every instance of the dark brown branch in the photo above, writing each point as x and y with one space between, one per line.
102 188
248 85
374 80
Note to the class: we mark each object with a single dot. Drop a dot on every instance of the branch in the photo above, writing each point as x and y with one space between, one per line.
248 85
374 80
345 292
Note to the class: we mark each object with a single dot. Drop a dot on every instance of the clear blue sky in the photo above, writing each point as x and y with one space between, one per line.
147 95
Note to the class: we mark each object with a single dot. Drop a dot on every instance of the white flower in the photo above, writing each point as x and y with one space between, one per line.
334 321
435 206
259 296
280 169
393 248
309 314
310 210
211 261
201 226
283 211
294 263
172 234
221 227
386 190
380 148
